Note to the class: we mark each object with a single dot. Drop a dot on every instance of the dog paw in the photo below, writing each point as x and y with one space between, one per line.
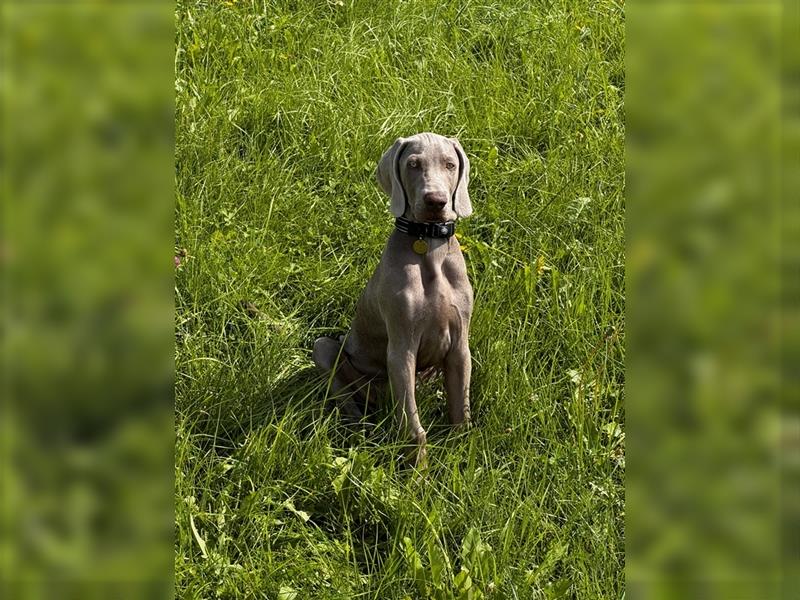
421 459
416 454
464 425
325 352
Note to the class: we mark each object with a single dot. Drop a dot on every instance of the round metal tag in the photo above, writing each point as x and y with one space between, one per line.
420 246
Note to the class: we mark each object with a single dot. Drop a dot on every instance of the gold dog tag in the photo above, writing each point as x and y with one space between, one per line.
420 246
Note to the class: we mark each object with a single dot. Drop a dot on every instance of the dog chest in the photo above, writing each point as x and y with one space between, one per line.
438 322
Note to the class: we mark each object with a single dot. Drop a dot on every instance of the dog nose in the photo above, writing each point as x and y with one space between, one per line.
435 199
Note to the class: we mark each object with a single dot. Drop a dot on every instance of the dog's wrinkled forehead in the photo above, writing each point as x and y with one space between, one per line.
429 144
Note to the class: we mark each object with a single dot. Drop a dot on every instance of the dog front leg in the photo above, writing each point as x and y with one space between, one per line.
401 365
457 373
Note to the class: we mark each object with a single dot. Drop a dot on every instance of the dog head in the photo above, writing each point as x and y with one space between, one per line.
426 176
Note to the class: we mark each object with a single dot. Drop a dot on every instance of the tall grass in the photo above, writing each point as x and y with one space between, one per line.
283 109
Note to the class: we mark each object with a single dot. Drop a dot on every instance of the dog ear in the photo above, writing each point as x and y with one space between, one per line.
461 202
388 175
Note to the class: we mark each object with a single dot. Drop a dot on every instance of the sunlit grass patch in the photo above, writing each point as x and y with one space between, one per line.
283 110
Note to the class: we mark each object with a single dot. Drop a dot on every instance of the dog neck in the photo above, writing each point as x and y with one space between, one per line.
426 230
436 249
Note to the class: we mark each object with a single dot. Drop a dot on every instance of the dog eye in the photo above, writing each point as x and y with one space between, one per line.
451 166
413 164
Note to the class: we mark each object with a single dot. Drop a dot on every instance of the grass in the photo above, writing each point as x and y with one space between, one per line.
283 109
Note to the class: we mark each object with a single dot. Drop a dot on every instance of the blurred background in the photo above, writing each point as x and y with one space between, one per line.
712 426
87 262
87 255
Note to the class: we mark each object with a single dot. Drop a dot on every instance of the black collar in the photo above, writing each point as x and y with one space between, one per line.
421 230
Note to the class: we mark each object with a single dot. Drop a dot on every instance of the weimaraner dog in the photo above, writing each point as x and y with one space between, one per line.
414 314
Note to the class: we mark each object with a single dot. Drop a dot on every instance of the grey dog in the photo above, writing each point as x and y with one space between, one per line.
415 311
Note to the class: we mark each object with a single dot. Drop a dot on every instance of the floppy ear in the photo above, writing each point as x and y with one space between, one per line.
388 175
461 203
